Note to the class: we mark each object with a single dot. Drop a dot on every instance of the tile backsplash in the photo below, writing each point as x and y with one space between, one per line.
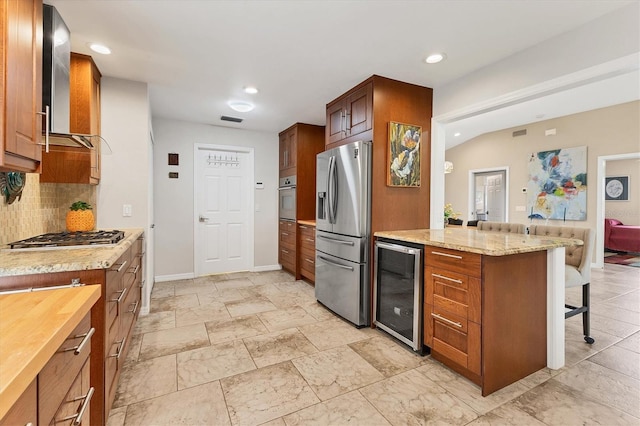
42 208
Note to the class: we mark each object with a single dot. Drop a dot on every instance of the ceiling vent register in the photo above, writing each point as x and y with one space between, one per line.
232 119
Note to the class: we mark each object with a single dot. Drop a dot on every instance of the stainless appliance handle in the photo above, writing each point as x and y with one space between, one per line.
329 192
395 247
333 197
285 188
330 262
335 240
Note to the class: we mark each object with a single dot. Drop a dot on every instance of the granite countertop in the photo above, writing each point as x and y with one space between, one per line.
77 258
481 242
307 222
32 328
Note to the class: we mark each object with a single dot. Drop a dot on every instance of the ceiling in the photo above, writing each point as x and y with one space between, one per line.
198 55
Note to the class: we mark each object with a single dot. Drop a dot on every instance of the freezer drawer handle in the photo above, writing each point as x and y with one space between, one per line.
448 321
330 262
446 255
335 240
442 277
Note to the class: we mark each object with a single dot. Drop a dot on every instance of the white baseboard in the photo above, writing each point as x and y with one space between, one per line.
266 268
174 277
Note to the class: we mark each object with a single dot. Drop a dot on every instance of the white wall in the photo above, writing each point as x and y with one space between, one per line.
605 39
125 172
628 212
174 198
126 175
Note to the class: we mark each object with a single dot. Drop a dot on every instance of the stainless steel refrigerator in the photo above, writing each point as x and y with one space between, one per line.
343 227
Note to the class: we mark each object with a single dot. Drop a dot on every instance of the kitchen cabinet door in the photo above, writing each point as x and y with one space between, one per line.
350 115
21 78
288 152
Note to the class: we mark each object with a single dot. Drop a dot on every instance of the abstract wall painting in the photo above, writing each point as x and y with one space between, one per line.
557 187
404 155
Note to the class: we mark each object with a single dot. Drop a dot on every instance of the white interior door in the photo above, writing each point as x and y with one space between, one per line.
495 198
224 210
489 196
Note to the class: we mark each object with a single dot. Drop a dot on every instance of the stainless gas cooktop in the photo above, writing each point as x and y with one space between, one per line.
64 239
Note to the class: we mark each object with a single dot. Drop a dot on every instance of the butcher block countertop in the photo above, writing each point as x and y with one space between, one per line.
481 242
62 259
32 328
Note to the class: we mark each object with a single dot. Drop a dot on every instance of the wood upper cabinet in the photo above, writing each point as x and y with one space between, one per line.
66 164
21 82
288 151
350 115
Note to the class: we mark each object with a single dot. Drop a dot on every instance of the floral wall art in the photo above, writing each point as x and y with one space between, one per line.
404 155
557 187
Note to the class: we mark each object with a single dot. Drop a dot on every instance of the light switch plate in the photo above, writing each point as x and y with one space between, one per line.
126 210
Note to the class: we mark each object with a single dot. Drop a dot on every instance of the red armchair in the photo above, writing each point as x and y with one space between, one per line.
619 237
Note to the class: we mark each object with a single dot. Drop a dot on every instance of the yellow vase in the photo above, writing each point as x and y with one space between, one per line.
80 220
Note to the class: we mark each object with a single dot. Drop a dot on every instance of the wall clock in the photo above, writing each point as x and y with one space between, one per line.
616 188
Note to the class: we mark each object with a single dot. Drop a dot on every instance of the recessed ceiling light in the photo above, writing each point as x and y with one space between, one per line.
435 58
456 134
251 90
100 48
241 106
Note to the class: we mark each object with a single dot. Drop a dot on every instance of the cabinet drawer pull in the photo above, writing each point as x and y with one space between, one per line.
310 261
311 240
448 321
302 227
135 270
285 251
285 234
442 277
77 418
120 267
135 307
119 351
86 338
119 298
446 254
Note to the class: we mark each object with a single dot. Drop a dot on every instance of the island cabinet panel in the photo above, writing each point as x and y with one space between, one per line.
25 409
485 316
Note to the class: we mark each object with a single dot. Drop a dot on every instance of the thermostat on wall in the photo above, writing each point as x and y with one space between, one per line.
259 185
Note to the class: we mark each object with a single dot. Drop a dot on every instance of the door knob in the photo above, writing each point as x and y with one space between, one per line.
203 219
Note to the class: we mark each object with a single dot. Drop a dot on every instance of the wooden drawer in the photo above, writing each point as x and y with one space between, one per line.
57 376
454 260
287 258
307 236
77 401
453 337
308 263
453 292
288 234
25 410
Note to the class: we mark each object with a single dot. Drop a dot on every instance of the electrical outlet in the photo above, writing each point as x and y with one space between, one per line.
126 210
521 208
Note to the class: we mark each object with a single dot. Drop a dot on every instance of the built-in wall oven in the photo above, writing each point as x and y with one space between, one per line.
398 294
287 198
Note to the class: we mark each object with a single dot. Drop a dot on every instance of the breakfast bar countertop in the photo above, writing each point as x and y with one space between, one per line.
481 242
62 259
33 325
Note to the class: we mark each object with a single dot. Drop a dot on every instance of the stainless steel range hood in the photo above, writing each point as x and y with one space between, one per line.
56 59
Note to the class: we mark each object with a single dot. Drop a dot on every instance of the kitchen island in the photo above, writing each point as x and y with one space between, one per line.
493 302
33 326
118 270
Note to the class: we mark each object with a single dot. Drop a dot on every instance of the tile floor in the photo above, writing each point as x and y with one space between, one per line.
256 348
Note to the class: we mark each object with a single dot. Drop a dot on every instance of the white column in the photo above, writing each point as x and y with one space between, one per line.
555 308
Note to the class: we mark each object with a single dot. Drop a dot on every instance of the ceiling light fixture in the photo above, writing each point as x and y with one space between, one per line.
241 106
456 134
435 58
251 90
100 48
